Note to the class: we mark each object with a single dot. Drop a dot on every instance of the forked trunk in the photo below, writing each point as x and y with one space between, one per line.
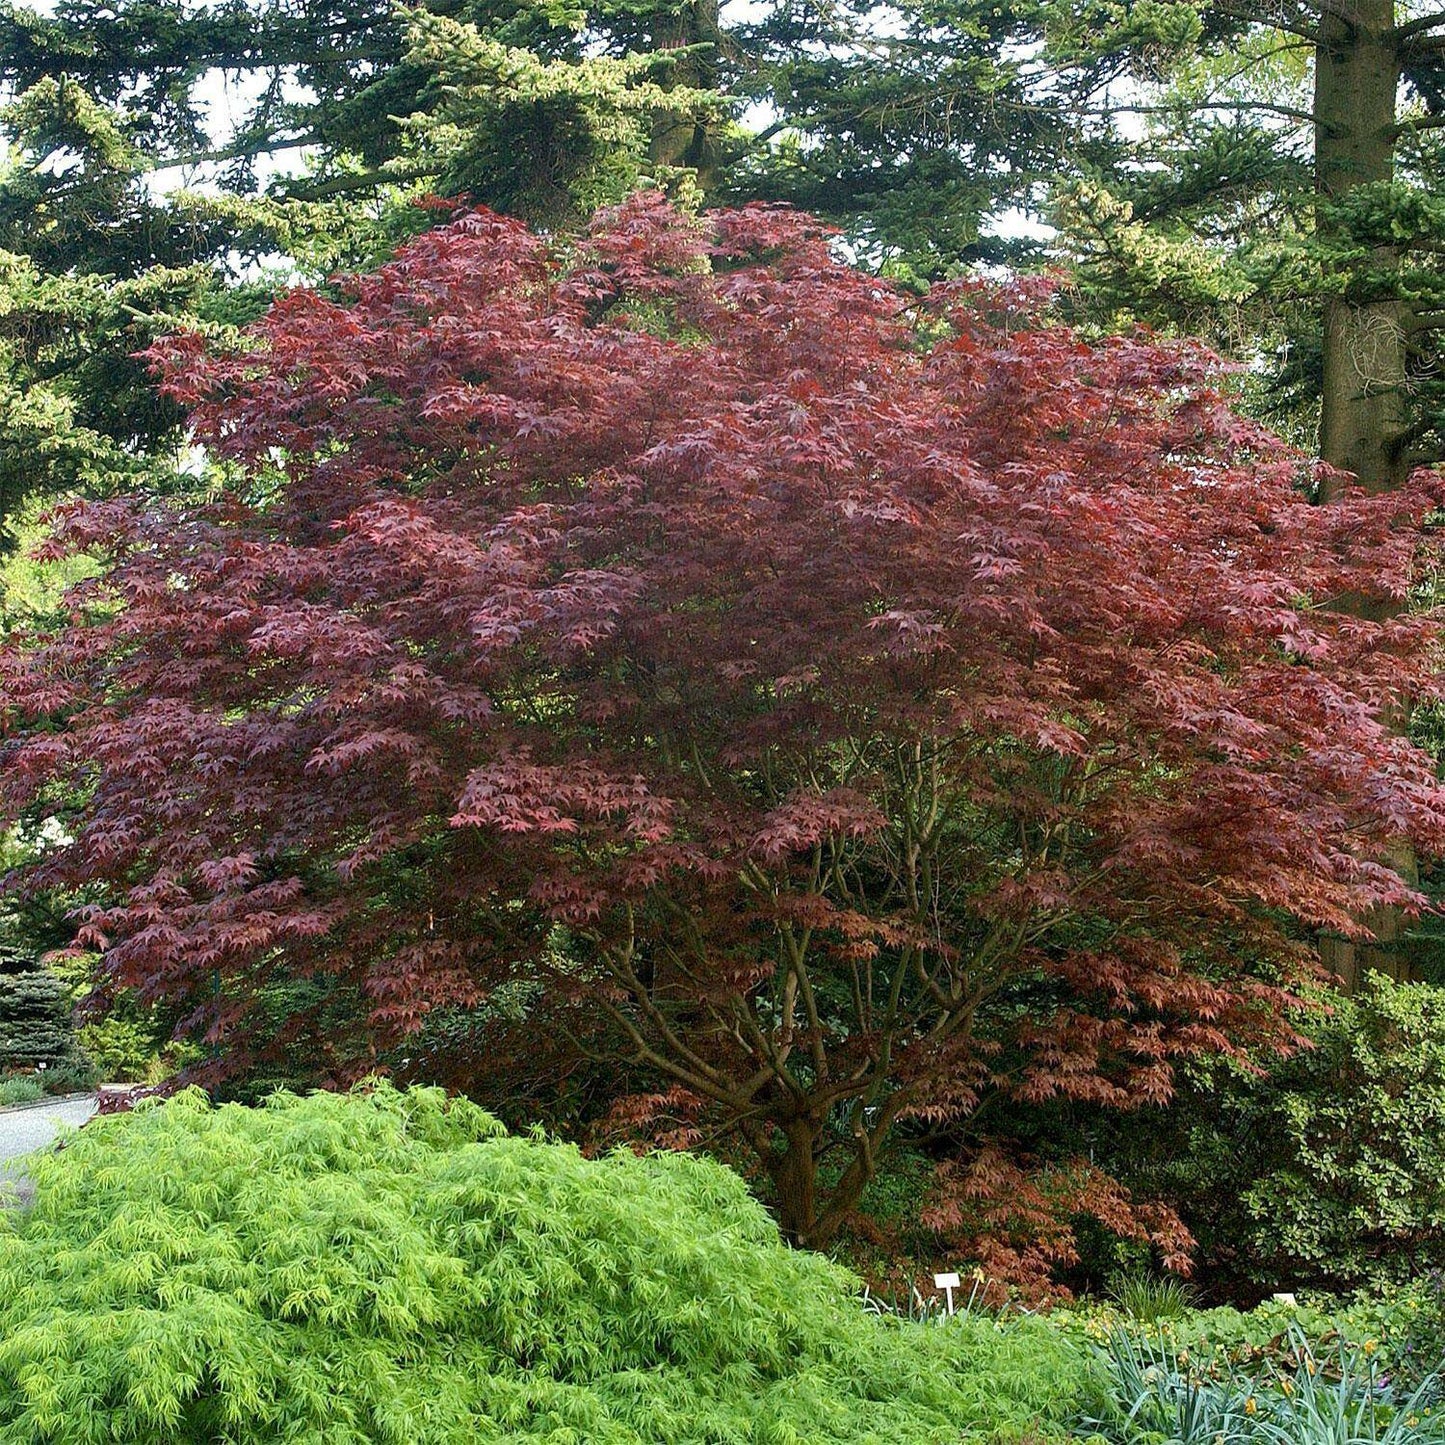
809 1214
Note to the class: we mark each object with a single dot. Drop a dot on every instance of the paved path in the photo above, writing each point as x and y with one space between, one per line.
32 1126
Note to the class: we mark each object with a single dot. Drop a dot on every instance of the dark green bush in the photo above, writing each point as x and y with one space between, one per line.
388 1267
1326 1173
1355 1130
35 1030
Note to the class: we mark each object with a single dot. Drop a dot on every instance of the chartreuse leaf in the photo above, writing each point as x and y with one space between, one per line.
392 1267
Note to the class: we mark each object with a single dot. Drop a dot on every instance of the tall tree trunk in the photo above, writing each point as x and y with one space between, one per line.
1362 414
1357 73
678 138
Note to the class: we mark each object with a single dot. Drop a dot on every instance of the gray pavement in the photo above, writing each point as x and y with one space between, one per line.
29 1127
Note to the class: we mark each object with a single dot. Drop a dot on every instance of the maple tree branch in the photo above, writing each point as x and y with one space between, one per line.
711 1084
797 963
619 963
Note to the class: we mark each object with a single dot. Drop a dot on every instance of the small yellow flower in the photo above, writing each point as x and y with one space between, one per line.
1371 1346
1250 1407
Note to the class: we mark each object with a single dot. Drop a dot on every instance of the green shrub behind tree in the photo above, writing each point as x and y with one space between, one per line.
390 1268
1327 1172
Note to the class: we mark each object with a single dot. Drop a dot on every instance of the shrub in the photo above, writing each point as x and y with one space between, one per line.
127 1050
36 1031
1355 1128
1324 1174
22 1089
35 1028
1148 1298
389 1267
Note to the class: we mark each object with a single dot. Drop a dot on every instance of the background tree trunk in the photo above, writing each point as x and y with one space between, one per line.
1362 413
678 138
1357 72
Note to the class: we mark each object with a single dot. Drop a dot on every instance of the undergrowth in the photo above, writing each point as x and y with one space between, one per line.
22 1089
388 1268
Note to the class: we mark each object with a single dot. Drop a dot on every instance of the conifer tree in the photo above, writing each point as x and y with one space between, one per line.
35 1024
1272 183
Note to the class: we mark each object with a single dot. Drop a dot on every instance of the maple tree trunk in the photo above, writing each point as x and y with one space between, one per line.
1357 70
808 1215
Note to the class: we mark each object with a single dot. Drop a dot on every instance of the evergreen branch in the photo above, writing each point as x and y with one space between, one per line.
1260 16
236 151
1412 28
1424 122
361 181
1289 111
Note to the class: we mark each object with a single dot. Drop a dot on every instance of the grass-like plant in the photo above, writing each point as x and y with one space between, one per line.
1154 1393
1149 1298
388 1268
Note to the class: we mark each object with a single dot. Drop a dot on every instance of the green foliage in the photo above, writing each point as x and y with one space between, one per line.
75 404
390 1267
551 140
1149 1298
124 1050
129 1042
34 1020
1356 1133
22 1089
35 1025
1401 1332
1154 1390
1324 1172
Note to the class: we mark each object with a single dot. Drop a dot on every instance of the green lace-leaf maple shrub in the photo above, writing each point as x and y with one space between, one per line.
389 1266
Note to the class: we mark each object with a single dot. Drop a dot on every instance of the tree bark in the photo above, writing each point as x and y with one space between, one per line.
808 1215
1362 413
1357 75
678 138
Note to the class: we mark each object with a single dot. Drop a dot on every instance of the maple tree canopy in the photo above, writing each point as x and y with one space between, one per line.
833 709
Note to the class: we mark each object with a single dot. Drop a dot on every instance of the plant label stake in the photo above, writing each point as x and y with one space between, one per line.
947 1283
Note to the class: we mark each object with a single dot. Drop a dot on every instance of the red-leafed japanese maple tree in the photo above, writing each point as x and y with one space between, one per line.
834 708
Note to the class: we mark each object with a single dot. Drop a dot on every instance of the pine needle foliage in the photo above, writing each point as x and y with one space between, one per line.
390 1266
35 1024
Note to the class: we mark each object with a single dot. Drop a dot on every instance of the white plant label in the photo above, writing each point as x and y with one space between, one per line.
947 1283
